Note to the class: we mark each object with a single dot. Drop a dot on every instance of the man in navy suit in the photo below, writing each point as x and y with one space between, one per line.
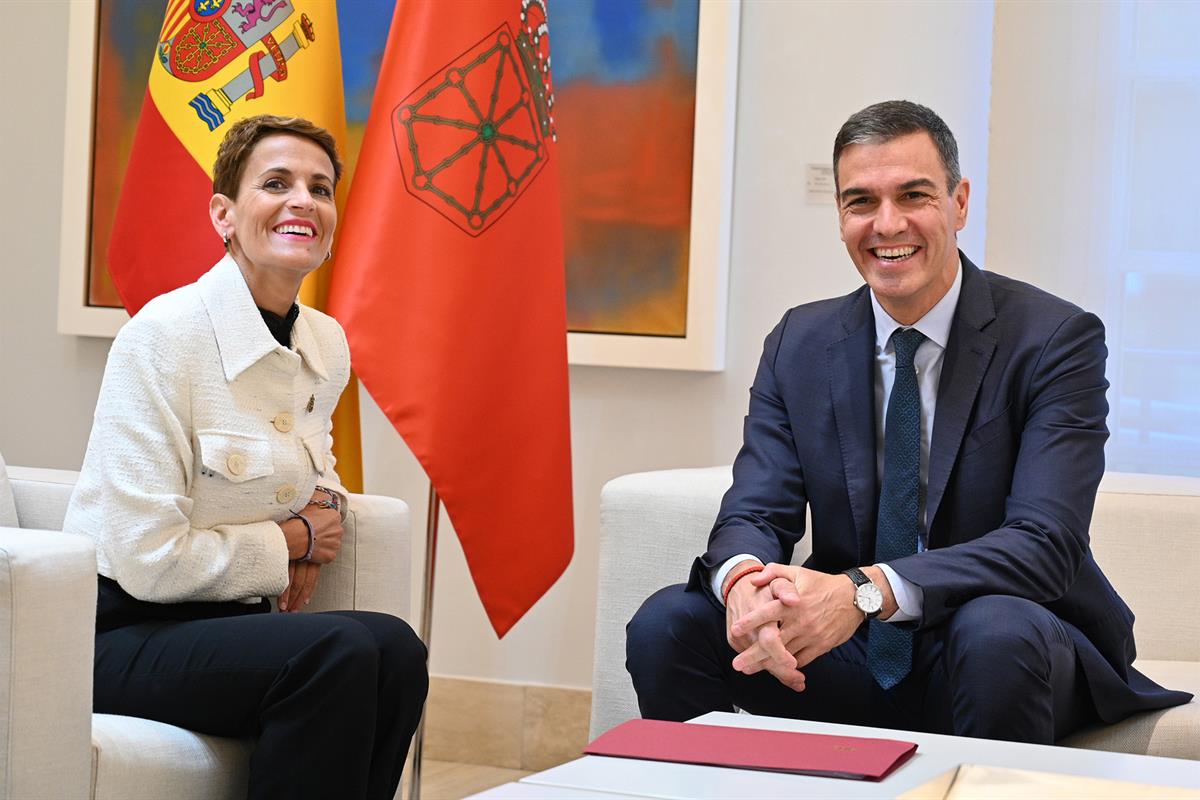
945 428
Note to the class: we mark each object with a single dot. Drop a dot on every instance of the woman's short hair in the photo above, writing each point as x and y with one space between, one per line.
239 142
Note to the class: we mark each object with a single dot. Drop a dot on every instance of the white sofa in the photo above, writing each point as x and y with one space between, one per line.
654 524
51 745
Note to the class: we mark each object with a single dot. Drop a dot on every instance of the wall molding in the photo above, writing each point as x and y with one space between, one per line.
513 725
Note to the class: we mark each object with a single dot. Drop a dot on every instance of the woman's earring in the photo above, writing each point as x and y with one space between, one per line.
226 242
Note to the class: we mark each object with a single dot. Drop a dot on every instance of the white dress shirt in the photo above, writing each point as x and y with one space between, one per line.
927 361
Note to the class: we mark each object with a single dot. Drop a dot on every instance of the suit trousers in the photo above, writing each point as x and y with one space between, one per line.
1000 668
332 699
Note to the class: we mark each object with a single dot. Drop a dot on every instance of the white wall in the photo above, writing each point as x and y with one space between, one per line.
805 66
1046 139
50 382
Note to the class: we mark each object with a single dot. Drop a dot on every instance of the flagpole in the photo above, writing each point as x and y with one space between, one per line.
431 532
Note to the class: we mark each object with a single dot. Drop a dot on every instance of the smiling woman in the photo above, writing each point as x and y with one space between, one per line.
273 204
209 486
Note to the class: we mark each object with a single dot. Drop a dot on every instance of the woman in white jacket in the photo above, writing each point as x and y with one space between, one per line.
209 487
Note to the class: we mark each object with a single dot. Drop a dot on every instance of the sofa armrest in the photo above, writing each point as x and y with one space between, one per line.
652 526
373 570
42 495
47 642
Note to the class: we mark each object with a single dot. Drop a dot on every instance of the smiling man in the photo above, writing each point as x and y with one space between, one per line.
944 427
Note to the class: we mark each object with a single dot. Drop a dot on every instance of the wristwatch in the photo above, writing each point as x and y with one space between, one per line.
868 598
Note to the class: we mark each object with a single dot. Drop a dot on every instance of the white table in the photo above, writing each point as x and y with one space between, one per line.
599 777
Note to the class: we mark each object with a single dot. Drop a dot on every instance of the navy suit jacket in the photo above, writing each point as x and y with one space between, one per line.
1016 455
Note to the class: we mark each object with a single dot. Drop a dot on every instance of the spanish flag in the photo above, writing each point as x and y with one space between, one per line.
216 62
451 287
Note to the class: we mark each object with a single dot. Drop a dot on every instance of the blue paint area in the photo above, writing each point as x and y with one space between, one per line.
132 25
363 31
618 28
131 31
618 41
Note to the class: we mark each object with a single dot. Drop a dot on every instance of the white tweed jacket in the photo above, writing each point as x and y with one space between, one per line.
207 434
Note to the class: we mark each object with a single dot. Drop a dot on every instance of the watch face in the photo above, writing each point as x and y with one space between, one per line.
868 598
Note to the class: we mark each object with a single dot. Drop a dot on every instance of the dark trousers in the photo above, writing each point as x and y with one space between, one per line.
331 699
1001 668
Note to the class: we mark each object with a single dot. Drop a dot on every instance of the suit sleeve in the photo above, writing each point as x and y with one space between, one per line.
1039 548
762 514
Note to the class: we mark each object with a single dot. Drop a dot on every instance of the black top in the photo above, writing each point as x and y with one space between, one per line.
281 327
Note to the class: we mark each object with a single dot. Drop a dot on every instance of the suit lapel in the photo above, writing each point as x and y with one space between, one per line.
852 386
969 351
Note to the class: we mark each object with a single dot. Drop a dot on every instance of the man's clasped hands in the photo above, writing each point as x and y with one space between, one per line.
781 618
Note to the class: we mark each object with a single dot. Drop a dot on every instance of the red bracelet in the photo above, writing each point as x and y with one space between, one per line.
736 578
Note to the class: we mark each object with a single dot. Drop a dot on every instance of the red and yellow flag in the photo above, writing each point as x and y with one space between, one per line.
451 288
216 62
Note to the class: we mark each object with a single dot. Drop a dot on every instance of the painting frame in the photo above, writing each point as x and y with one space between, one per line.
75 315
701 349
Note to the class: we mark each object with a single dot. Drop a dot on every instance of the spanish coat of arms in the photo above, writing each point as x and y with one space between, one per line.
202 37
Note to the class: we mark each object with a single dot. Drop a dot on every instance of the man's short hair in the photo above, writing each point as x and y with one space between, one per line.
892 119
244 135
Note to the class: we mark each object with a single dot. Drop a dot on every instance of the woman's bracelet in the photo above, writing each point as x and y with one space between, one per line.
332 502
312 537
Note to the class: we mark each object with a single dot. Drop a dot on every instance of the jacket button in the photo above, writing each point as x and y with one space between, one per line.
283 422
236 464
286 494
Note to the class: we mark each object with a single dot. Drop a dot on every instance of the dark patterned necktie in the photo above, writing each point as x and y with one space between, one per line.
889 649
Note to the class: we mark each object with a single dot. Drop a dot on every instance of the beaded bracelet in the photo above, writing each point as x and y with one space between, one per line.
331 503
312 536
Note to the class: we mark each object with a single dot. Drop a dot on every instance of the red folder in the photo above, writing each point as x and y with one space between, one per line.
751 748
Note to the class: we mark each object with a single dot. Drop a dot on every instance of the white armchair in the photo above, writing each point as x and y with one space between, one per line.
654 524
51 745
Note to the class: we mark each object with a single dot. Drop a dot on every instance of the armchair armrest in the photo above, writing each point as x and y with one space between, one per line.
652 526
47 641
42 495
373 572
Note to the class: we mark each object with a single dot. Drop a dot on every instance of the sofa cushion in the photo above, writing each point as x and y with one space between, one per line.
139 758
8 506
1172 732
1149 547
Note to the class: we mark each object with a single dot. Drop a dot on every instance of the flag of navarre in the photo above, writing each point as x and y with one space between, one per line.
472 137
451 288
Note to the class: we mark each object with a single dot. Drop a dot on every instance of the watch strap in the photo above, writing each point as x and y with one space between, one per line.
857 575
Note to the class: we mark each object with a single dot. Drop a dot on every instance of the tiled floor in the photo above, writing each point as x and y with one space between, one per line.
448 780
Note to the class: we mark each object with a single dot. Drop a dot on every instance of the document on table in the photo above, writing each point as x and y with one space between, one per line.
749 748
979 782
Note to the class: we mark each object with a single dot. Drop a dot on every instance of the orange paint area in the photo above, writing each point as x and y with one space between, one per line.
625 153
